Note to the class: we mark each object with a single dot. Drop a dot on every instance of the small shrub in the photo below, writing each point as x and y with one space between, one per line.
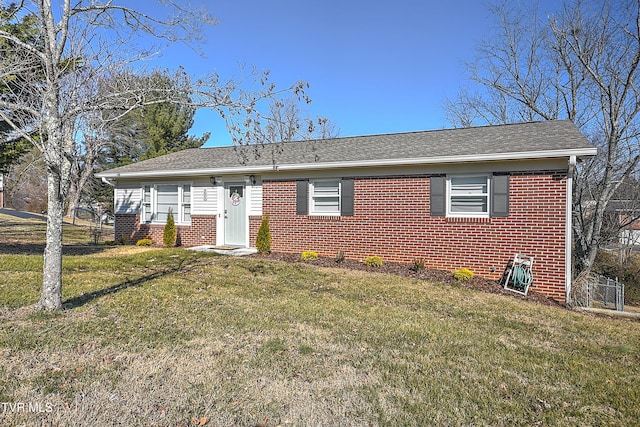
309 256
109 243
144 242
463 274
373 261
169 235
340 256
418 265
123 240
263 240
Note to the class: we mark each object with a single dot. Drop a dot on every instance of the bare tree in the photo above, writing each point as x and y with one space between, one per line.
580 64
149 131
79 44
284 121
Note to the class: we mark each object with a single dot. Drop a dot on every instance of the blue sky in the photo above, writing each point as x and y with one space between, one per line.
374 66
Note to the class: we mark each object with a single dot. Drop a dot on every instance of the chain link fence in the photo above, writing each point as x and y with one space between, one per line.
596 291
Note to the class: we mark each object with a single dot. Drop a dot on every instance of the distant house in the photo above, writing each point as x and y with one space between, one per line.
621 216
1 190
455 198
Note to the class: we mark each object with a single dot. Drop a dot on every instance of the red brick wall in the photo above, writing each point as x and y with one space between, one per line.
202 230
254 225
392 220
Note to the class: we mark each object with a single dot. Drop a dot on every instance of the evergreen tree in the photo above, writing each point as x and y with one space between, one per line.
13 145
169 236
263 240
153 130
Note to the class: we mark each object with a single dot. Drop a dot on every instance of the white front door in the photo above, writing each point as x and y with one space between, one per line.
235 214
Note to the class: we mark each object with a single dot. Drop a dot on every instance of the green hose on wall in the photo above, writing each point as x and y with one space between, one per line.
522 276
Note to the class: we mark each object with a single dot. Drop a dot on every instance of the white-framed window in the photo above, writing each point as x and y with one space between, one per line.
325 197
186 203
468 195
147 211
159 199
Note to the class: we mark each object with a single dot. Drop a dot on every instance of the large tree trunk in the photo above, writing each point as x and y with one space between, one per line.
51 294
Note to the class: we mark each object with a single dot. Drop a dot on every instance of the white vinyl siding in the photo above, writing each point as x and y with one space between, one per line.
127 199
255 199
205 199
325 197
468 195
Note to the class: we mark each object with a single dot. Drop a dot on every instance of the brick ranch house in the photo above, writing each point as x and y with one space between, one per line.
456 198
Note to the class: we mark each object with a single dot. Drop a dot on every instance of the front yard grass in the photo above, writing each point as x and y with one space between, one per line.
172 337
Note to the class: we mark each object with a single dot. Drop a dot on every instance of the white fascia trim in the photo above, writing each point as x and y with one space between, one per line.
362 163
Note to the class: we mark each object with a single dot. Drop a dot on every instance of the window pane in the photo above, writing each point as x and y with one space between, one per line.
186 194
326 188
468 185
327 204
186 213
147 194
167 199
147 213
146 204
326 197
469 204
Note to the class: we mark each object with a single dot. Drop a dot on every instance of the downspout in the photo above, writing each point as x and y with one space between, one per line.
569 229
106 181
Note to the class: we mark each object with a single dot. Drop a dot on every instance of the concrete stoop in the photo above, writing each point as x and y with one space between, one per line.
225 250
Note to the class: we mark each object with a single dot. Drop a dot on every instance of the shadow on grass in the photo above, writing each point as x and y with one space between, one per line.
83 299
38 249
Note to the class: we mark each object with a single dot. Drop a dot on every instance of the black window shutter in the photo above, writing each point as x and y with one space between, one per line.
346 196
438 196
500 196
302 197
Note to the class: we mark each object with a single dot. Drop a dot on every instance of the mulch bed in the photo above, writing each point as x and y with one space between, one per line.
403 270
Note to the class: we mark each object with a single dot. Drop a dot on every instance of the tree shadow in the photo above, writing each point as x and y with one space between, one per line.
38 249
83 299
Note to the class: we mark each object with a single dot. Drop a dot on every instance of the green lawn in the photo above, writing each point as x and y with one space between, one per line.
171 337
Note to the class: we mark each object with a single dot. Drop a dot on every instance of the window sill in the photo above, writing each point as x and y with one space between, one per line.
162 224
468 219
325 217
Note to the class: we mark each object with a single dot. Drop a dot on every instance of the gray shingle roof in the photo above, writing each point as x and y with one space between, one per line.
522 140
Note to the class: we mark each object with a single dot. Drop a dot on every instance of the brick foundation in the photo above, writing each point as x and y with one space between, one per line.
392 220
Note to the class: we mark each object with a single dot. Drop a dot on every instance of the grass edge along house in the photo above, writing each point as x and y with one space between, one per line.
468 197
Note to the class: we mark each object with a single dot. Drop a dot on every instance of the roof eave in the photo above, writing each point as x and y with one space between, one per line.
472 158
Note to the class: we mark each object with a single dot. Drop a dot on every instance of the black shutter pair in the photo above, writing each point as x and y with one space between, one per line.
499 196
346 197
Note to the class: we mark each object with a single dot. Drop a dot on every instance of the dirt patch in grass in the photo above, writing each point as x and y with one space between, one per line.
428 274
